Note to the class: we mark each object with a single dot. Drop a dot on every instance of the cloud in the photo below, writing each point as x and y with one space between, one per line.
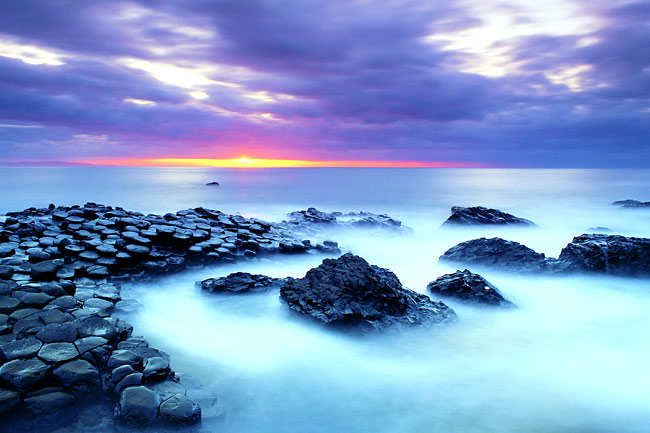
502 83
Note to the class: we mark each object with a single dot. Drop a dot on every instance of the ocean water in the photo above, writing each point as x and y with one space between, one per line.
573 357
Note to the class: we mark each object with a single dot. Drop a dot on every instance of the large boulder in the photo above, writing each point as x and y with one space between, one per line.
501 254
479 215
468 287
23 374
350 293
609 254
241 282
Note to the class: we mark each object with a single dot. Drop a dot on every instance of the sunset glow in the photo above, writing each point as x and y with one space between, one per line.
245 162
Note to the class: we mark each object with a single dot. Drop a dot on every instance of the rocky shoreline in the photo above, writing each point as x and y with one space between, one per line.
60 274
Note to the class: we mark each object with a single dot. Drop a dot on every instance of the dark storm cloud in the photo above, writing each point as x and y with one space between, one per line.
361 77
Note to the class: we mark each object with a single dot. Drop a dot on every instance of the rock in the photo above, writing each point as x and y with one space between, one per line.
123 357
6 272
58 332
501 254
78 374
633 204
8 400
137 405
58 352
608 254
8 304
469 288
24 374
212 184
97 327
479 215
312 216
88 343
156 367
180 408
25 348
43 402
305 219
132 379
45 270
101 304
348 292
240 282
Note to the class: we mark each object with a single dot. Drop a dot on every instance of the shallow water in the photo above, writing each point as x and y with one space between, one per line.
572 357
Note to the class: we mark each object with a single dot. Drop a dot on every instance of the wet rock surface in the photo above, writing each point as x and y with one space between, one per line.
241 282
479 215
313 220
349 293
468 287
60 274
632 204
608 254
501 254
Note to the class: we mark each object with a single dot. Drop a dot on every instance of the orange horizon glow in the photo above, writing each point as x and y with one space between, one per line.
245 162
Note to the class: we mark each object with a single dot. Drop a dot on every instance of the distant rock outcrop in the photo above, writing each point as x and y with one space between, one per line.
350 293
212 184
468 287
312 218
632 204
241 282
609 254
479 215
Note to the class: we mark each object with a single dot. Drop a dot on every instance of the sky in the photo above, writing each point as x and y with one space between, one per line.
513 83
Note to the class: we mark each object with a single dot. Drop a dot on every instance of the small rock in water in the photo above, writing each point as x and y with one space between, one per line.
479 215
241 282
631 204
468 287
212 184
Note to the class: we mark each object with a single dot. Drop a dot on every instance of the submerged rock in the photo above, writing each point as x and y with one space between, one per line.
503 254
241 282
631 204
609 254
468 287
479 215
350 293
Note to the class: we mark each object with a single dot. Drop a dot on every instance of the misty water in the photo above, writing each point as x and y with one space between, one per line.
573 357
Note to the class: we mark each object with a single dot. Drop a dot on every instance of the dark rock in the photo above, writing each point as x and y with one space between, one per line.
97 272
132 379
608 254
58 352
36 299
479 215
240 282
156 367
123 357
44 271
6 272
25 348
180 409
313 216
8 304
78 374
89 343
468 287
97 327
43 402
351 293
137 405
65 302
8 400
91 256
212 184
101 304
633 204
121 372
23 374
58 332
502 254
302 220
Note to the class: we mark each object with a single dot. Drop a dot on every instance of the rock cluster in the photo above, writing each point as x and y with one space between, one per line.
479 215
501 254
59 274
468 287
350 293
307 221
631 203
241 282
608 254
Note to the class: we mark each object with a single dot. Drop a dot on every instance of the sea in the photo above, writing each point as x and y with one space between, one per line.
572 357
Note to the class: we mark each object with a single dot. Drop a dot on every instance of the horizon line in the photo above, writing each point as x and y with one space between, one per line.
244 162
